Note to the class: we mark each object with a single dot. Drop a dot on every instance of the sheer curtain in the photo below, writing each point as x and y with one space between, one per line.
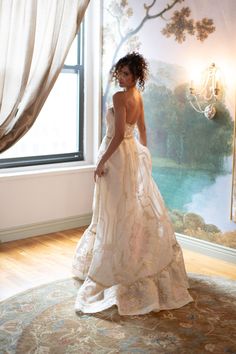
35 37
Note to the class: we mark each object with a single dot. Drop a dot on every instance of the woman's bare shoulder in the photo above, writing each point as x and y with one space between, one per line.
118 97
119 94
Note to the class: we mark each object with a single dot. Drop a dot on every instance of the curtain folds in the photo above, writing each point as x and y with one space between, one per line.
35 37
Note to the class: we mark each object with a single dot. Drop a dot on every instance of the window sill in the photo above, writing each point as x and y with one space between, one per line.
53 169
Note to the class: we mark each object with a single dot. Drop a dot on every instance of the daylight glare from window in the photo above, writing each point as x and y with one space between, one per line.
56 129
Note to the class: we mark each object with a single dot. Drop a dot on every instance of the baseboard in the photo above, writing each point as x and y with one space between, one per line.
24 231
194 244
208 248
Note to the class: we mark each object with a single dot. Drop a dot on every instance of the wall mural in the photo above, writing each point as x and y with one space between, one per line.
233 195
192 155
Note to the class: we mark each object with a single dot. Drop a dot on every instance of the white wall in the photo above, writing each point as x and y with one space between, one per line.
42 199
38 203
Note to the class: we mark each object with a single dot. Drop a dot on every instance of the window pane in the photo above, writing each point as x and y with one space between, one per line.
71 58
56 128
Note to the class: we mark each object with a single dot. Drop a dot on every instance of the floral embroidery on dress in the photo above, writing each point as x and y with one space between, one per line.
129 255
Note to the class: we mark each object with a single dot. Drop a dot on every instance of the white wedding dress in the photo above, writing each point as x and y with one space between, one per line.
129 255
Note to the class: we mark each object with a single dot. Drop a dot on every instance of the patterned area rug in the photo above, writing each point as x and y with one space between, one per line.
42 320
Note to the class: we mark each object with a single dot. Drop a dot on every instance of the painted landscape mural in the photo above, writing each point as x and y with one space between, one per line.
192 155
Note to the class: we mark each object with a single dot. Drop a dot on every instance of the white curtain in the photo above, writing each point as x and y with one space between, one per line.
35 37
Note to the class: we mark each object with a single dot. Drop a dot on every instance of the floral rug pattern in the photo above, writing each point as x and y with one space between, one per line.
42 320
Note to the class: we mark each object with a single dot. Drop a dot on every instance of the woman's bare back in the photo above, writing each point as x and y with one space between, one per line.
134 106
135 113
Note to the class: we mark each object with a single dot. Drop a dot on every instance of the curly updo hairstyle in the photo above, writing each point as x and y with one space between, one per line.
137 65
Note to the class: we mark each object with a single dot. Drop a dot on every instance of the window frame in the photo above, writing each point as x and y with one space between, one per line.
66 157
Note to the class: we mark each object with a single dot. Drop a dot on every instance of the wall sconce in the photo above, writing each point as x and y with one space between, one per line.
210 91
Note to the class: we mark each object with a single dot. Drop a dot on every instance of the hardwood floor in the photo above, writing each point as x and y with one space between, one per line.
33 261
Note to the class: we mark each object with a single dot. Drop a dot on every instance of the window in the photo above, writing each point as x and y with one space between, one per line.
57 134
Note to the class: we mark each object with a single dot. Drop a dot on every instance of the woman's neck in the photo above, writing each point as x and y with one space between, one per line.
130 89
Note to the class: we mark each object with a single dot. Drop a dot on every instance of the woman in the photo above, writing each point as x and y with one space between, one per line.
129 255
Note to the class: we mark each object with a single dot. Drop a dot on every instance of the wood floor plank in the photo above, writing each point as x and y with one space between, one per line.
37 260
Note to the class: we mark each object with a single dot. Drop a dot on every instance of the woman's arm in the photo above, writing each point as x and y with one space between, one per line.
142 127
120 119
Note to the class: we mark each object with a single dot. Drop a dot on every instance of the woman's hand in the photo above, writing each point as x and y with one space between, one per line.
99 171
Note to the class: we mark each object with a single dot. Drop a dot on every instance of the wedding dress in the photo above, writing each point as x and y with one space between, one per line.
129 255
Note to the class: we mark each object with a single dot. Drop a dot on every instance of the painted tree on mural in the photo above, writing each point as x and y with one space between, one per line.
179 25
189 153
178 133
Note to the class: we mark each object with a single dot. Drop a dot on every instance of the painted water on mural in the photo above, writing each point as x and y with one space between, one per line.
192 156
200 192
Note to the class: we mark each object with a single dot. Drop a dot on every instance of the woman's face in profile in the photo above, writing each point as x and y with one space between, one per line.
125 77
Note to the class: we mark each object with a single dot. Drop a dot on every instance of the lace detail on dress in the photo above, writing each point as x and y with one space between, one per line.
129 255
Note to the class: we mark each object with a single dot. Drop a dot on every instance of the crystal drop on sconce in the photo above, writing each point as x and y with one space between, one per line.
210 111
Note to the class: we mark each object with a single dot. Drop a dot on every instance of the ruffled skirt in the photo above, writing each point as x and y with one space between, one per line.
129 255
164 291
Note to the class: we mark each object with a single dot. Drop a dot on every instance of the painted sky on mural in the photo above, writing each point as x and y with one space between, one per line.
224 19
193 54
220 47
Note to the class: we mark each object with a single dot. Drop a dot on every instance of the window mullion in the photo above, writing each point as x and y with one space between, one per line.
71 68
74 154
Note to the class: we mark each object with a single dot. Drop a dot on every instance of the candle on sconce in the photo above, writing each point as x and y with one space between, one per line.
191 89
217 88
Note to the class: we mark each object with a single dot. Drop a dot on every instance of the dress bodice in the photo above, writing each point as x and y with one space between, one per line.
110 125
129 256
